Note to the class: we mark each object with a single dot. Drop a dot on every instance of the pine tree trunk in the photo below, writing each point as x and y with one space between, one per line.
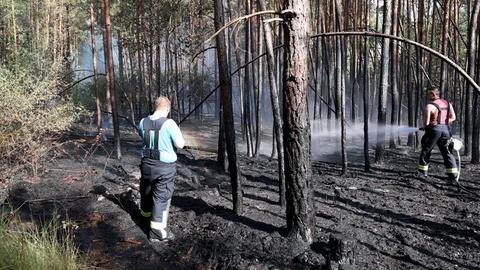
471 49
259 94
476 119
299 211
340 83
384 79
277 121
432 35
420 62
107 45
158 63
393 79
247 82
410 89
354 63
149 51
121 71
94 63
226 96
445 36
366 97
142 97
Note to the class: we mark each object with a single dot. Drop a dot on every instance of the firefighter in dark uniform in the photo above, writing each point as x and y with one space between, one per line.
160 137
437 118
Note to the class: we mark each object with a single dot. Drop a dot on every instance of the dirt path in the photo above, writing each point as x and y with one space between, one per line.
398 221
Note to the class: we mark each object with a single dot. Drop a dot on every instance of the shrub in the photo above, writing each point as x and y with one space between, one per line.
32 113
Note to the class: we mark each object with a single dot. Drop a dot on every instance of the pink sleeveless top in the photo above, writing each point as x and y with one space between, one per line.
443 105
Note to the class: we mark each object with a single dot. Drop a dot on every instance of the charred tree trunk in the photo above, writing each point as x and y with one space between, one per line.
420 63
277 121
299 211
476 120
141 97
410 89
340 83
317 108
472 47
247 82
121 82
226 96
259 94
432 35
94 64
383 90
445 37
107 45
394 119
158 64
366 96
354 65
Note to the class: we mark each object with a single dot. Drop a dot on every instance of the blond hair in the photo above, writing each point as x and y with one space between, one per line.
162 103
434 90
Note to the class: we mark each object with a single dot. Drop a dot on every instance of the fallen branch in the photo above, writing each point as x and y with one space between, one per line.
121 183
52 200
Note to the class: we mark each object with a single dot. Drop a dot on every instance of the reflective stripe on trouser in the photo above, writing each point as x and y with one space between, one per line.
452 171
145 214
161 226
438 135
423 168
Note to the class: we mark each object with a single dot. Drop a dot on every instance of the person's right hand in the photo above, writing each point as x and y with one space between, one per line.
179 142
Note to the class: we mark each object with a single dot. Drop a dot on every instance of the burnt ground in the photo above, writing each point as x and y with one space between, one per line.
395 219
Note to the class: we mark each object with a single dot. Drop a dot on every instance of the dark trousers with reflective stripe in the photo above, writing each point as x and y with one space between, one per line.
438 135
156 190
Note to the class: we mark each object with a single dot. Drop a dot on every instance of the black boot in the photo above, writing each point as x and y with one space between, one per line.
156 236
453 178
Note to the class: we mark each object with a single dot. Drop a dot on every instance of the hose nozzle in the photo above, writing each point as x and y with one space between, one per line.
456 143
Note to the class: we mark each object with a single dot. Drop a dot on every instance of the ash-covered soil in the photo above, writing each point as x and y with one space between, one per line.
394 219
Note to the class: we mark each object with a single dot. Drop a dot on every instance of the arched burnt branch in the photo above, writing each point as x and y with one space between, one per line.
407 41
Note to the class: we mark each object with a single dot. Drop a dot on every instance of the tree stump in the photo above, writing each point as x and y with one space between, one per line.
342 252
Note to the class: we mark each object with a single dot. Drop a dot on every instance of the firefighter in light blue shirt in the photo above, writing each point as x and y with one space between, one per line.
161 137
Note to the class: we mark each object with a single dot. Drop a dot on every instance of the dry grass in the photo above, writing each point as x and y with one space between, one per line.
28 246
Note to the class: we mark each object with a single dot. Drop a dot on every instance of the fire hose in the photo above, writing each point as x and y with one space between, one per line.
457 145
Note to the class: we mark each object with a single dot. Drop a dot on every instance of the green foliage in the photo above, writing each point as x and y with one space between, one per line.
83 94
32 112
27 246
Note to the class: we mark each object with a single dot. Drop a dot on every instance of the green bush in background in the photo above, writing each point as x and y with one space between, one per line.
32 113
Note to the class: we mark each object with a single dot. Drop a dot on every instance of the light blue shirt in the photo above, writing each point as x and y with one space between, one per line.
167 134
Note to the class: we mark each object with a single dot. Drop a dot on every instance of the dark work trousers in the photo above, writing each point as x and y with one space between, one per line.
156 190
439 135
